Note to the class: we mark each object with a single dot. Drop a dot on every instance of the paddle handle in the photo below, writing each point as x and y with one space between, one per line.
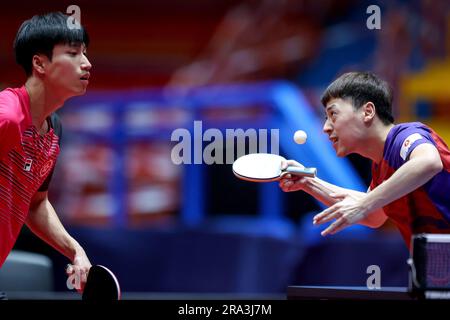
302 172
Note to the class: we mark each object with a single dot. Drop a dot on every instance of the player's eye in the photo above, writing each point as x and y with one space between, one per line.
330 114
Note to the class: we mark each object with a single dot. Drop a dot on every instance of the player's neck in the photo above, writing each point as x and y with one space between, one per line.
42 102
377 140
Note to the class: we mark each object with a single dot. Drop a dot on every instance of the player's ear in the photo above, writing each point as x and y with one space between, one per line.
369 111
38 63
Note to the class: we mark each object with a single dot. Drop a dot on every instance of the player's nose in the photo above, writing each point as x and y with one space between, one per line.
327 128
86 64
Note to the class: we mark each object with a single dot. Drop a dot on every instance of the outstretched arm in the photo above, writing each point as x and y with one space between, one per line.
423 164
329 194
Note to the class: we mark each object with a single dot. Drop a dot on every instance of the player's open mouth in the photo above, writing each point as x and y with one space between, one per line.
334 140
85 77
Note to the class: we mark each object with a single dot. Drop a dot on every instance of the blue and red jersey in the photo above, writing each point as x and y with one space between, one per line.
426 209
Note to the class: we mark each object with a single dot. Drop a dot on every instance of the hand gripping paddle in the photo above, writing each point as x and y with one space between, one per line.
265 167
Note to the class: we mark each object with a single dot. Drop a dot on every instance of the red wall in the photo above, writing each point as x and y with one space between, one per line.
133 43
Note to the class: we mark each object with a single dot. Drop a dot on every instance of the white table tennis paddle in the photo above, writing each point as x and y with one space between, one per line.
266 167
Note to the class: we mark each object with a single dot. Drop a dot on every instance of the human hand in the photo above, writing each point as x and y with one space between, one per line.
290 182
77 272
349 210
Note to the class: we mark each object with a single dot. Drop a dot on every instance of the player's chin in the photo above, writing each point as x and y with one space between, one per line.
79 91
341 152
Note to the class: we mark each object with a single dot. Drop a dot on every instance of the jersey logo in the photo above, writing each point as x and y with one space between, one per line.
46 168
408 143
27 165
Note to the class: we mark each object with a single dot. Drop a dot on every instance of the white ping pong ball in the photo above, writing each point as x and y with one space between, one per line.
300 136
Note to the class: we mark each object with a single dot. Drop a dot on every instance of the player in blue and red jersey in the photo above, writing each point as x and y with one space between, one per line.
54 59
410 163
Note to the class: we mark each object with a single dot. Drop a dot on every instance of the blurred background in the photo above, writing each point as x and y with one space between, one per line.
232 64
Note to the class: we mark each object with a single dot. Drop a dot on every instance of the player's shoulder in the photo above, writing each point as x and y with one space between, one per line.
400 132
403 138
10 95
410 126
10 111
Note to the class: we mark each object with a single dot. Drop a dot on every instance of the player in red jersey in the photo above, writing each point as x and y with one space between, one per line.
410 163
54 59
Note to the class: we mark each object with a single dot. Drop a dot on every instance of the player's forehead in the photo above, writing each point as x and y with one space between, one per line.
337 104
72 45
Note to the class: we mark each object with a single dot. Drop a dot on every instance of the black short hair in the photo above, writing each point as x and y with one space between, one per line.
360 88
41 33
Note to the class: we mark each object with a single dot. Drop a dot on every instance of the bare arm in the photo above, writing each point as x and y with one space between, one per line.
329 194
44 222
423 164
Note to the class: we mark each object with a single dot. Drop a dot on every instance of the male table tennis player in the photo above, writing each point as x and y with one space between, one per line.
410 163
54 59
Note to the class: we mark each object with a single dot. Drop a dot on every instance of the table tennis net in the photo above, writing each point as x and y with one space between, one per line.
430 262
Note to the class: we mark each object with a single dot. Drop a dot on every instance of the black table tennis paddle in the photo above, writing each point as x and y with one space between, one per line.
101 285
